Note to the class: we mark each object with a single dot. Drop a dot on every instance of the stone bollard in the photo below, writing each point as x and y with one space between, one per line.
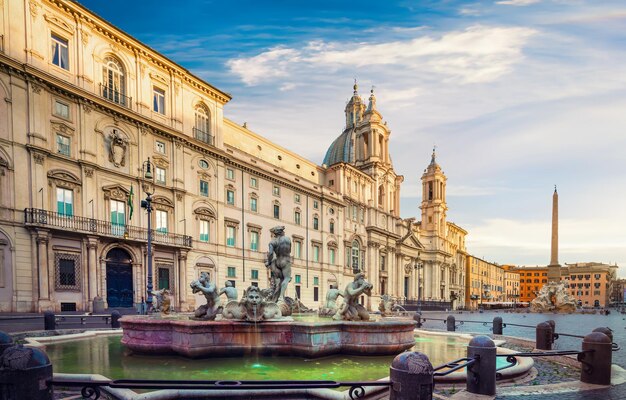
24 373
49 321
596 368
411 376
607 331
497 326
450 323
481 376
6 341
98 305
543 336
115 319
418 318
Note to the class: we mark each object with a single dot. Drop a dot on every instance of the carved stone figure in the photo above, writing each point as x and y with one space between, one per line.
229 291
351 310
553 296
212 307
163 301
279 263
330 308
252 307
118 146
386 305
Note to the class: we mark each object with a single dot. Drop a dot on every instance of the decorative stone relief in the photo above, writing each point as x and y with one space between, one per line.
115 192
36 88
179 196
89 172
39 158
64 179
34 8
84 37
118 146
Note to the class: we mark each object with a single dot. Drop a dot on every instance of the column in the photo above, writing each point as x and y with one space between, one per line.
92 244
103 281
182 279
42 252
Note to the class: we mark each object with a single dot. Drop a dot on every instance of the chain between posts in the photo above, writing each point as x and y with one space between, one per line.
512 358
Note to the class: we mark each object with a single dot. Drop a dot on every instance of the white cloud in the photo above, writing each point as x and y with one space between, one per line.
270 64
518 3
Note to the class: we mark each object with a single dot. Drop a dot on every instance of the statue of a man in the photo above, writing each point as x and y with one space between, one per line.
331 297
279 262
351 310
212 307
229 291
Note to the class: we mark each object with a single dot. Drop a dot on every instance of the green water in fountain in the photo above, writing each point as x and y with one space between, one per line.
107 356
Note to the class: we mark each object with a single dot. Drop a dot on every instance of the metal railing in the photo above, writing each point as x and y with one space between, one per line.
115 96
203 136
35 216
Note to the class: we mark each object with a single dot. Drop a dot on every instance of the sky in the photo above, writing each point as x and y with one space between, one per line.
517 96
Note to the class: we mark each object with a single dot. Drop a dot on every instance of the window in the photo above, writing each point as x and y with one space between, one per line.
316 280
158 100
61 109
383 262
204 164
159 147
276 211
332 227
253 204
118 218
254 182
331 182
316 204
230 197
298 249
296 198
296 217
65 202
63 145
254 240
202 127
161 221
353 212
316 223
204 188
254 274
204 230
316 293
160 175
232 282
298 292
276 190
67 272
230 236
113 81
331 256
60 52
230 174
355 255
298 279
231 272
316 253
164 278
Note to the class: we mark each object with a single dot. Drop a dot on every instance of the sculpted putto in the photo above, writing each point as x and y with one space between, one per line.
351 310
212 307
252 307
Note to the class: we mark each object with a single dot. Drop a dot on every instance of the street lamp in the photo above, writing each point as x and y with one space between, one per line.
418 266
146 170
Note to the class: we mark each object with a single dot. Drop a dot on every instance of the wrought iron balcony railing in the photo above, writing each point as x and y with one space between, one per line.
35 216
115 96
203 136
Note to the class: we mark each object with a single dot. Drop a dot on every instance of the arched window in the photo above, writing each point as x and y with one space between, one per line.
114 82
202 125
355 255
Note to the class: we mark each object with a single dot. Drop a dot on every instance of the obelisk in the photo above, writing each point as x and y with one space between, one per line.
554 269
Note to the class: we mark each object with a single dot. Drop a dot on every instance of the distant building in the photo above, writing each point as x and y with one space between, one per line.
531 280
590 283
511 284
485 283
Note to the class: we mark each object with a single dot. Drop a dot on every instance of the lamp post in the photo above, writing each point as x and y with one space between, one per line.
418 266
146 170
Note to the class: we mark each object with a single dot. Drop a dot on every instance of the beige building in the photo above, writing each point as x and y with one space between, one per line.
511 284
591 284
485 283
83 106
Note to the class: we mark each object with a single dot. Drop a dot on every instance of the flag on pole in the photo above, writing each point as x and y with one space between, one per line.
131 197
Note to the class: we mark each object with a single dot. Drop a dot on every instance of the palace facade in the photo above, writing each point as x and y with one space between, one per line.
83 106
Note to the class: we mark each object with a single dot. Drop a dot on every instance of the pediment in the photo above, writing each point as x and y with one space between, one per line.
115 191
64 176
162 201
62 127
204 212
59 23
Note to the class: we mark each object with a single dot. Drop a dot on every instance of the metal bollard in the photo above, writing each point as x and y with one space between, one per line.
418 318
49 321
115 319
607 331
596 368
450 323
481 376
497 326
411 376
543 336
24 373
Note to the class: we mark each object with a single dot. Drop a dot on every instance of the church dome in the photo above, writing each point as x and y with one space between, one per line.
341 150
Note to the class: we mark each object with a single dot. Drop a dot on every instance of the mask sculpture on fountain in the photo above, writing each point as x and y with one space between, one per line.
330 307
351 310
212 307
252 307
279 263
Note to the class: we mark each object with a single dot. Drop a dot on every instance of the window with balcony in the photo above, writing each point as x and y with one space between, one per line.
158 100
204 231
60 52
118 217
230 236
63 145
114 82
161 221
202 125
204 188
254 240
65 202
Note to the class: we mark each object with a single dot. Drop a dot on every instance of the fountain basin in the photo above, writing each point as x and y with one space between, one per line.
194 339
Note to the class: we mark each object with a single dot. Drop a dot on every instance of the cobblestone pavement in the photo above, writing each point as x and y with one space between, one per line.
614 393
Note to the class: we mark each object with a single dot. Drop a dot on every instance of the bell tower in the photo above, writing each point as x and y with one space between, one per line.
434 206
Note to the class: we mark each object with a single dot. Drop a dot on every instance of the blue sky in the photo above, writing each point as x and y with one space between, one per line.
518 95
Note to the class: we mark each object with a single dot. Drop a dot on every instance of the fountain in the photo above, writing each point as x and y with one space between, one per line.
260 322
553 296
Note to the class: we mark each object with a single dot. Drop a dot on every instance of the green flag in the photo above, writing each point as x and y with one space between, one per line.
131 197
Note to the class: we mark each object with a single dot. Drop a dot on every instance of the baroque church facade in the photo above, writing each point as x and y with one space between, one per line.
83 106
